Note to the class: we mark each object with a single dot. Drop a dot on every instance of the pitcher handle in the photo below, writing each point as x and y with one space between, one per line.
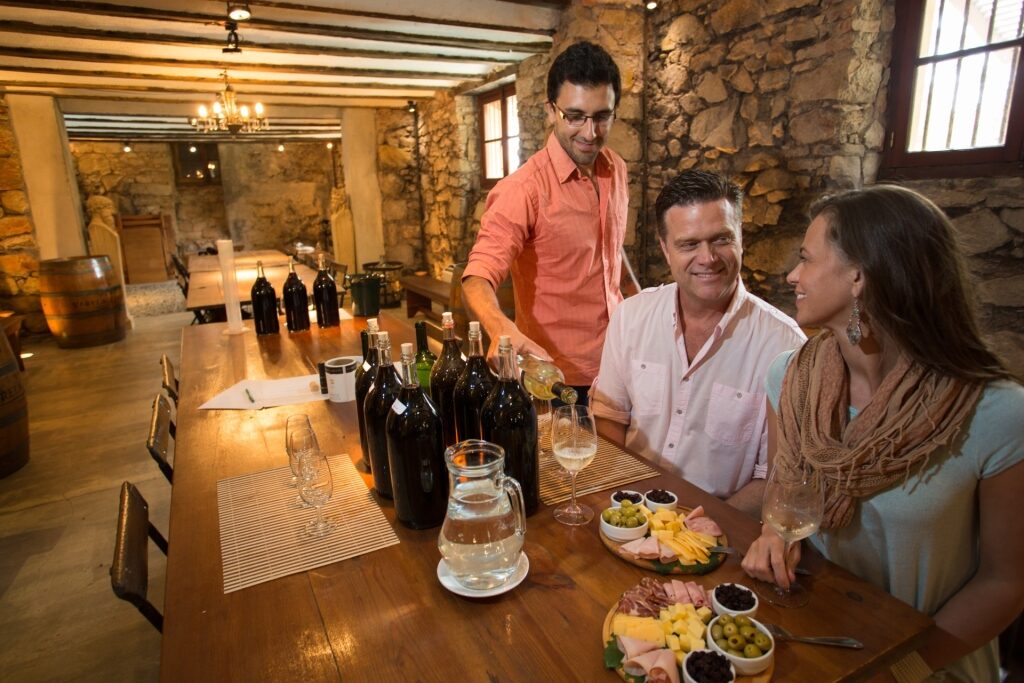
515 493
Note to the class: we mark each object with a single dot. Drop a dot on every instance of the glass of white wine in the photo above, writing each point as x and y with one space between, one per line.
793 508
574 444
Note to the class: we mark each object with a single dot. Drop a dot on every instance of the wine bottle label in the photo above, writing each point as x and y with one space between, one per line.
398 407
366 366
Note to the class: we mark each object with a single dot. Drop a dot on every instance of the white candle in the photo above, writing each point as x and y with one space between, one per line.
229 284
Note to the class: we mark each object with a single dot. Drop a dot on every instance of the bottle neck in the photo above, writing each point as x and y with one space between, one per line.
364 341
448 333
507 366
421 337
409 376
291 267
476 346
373 341
384 353
259 270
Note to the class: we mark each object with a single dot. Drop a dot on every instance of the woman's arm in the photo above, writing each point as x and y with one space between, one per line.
994 596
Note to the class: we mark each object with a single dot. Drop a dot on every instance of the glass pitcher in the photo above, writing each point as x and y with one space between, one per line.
484 526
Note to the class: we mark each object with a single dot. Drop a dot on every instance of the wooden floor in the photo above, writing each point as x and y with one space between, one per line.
88 413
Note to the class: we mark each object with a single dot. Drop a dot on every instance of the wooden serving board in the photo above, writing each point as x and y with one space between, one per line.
716 558
606 635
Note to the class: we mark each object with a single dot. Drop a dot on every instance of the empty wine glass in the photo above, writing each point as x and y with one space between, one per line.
574 444
316 487
793 507
292 427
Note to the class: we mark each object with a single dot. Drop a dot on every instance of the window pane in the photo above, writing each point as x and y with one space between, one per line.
512 119
492 120
492 160
513 153
951 25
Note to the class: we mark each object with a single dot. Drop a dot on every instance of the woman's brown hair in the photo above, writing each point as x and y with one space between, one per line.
916 288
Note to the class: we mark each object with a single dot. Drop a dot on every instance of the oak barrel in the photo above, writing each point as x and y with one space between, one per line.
82 300
457 304
13 413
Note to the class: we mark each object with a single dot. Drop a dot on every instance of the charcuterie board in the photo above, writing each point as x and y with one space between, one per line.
677 566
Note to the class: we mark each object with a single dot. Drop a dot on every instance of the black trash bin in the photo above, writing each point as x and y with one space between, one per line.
365 294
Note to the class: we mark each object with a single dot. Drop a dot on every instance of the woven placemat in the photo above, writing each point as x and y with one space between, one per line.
612 467
261 536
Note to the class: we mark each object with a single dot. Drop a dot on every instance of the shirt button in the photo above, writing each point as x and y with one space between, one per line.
739 395
643 366
671 445
686 379
679 411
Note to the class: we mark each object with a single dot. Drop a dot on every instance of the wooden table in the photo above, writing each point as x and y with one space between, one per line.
384 616
205 289
421 291
199 263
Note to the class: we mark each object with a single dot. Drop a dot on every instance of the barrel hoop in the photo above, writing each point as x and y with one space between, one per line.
80 292
7 367
11 418
86 314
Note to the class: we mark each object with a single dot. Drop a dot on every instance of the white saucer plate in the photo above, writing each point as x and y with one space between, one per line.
444 575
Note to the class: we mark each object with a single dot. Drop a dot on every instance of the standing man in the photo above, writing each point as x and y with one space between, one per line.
558 224
684 365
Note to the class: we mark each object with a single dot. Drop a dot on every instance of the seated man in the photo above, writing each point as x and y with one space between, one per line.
683 365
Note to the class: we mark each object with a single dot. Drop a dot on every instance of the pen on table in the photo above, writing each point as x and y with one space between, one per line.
249 394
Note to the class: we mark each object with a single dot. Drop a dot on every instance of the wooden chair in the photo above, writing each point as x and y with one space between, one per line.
129 572
170 382
161 431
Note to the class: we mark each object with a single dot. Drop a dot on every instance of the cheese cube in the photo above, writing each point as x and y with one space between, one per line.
705 614
672 641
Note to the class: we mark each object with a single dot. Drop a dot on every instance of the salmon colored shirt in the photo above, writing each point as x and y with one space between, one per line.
561 241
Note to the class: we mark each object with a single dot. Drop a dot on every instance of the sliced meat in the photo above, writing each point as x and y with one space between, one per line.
682 596
695 512
704 525
697 594
659 666
667 555
645 599
633 647
632 549
650 549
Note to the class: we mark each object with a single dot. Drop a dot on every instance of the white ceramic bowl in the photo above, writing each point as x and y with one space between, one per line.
655 506
616 503
622 534
719 608
690 679
744 666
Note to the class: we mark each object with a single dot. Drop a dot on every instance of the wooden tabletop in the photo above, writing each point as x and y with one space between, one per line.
198 263
205 287
384 616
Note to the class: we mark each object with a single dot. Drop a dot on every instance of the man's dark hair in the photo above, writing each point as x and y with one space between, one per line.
584 64
698 187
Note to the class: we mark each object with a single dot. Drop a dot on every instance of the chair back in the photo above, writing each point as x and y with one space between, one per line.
129 572
170 381
161 431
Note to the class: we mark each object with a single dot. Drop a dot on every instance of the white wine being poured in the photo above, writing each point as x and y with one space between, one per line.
544 380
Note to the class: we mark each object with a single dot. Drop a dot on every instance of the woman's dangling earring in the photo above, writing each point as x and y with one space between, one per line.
853 331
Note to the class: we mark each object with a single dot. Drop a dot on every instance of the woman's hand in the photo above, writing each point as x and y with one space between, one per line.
766 559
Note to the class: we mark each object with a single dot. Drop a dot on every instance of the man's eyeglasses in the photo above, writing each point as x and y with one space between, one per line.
577 120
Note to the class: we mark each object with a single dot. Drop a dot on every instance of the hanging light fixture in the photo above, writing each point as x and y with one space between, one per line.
225 114
239 11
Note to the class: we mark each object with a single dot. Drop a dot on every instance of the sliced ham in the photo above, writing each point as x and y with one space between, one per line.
659 666
697 595
682 596
704 525
668 556
634 647
632 549
695 512
650 549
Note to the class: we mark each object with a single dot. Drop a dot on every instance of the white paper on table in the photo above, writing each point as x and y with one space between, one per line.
267 393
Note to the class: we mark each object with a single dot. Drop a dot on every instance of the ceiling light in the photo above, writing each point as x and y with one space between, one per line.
228 115
280 148
652 5
411 107
192 148
239 11
232 42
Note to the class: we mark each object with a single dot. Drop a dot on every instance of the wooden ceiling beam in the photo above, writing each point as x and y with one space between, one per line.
110 35
343 100
121 11
92 57
246 94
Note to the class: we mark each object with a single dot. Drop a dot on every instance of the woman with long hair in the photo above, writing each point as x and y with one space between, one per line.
912 428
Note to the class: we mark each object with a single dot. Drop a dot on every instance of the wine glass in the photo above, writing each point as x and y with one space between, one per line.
574 444
793 507
316 487
292 427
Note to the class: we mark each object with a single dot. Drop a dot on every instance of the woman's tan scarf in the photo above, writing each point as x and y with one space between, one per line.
914 412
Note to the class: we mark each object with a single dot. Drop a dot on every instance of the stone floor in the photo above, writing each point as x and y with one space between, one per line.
89 414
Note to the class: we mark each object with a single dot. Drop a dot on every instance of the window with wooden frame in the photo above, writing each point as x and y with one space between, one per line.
196 163
499 133
956 97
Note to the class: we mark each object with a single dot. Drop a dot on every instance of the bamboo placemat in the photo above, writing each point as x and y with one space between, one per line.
261 536
612 467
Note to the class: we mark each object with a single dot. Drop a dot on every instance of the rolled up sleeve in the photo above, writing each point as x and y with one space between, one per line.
504 229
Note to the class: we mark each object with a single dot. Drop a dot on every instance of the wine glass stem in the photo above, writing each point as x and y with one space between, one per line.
572 488
319 517
785 556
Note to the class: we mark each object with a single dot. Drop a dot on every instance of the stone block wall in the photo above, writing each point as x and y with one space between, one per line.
140 181
199 210
273 198
19 251
397 176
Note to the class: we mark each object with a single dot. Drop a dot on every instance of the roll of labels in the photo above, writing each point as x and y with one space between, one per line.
338 380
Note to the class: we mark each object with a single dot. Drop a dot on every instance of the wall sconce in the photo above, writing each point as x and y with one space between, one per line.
128 147
280 148
411 107
330 145
652 5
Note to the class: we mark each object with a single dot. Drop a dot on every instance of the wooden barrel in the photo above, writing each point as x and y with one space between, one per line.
457 304
13 413
82 300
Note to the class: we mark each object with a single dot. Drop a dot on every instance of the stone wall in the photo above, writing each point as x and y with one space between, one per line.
201 218
140 181
19 251
273 198
400 198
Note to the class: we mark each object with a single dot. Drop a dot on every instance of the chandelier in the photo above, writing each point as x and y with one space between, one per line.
226 114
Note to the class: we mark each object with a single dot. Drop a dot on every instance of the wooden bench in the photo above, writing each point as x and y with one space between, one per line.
421 292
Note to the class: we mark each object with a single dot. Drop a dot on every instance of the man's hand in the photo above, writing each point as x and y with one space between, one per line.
521 344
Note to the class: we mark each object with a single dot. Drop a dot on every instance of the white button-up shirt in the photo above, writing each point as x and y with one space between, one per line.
704 420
